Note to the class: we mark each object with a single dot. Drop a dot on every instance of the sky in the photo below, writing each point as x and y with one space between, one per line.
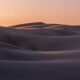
14 12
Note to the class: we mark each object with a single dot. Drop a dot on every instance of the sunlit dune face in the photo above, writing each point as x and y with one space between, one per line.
49 11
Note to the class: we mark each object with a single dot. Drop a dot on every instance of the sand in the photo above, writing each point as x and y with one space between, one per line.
40 51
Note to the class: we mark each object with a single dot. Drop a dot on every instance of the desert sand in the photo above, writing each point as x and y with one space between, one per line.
40 51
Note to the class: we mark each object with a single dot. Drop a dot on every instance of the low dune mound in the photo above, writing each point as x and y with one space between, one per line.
26 55
42 29
43 70
43 43
45 31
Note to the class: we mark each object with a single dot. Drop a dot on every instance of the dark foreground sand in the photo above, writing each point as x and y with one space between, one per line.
39 51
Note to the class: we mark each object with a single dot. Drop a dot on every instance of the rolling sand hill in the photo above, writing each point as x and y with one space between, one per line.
40 51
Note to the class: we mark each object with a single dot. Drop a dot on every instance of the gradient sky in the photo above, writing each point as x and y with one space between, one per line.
50 11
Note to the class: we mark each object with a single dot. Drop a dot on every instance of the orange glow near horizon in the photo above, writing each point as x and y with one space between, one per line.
50 11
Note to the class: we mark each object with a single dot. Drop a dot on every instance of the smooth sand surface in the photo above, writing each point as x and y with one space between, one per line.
39 51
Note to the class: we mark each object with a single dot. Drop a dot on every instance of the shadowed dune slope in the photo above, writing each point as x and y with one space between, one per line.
43 43
26 55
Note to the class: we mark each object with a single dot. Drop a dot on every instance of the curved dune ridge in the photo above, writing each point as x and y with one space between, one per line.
40 51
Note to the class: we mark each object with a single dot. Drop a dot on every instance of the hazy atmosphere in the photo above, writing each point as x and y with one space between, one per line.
50 11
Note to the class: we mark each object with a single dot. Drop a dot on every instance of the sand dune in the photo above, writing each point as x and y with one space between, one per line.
26 55
40 51
44 43
44 70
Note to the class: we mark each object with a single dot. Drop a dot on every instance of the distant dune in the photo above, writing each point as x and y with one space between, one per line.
40 51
